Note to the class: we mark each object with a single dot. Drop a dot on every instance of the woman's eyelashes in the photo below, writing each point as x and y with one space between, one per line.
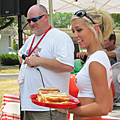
77 30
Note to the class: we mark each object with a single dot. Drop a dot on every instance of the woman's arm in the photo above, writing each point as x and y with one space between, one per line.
103 95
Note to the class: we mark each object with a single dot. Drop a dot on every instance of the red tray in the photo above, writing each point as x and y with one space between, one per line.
73 103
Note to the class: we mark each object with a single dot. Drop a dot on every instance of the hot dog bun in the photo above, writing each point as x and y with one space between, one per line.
52 95
48 89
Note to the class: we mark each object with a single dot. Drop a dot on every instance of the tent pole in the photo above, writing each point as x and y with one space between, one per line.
51 12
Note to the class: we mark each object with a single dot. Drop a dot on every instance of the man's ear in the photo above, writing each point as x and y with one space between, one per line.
96 28
46 17
112 42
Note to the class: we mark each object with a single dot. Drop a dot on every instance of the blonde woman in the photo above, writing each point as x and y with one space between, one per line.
90 27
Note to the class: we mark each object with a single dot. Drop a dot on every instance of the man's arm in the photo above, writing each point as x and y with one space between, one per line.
51 64
20 59
110 54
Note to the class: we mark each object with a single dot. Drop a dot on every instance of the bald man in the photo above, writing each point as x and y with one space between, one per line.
49 61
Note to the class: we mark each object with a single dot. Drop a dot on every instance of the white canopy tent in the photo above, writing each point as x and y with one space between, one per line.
112 6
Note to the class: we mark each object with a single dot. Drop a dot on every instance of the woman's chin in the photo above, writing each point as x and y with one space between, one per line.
82 47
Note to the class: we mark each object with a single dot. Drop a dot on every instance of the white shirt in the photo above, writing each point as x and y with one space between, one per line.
55 45
83 78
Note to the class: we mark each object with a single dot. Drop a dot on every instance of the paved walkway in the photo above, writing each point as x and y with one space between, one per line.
9 76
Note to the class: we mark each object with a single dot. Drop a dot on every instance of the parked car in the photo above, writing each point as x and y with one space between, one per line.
11 51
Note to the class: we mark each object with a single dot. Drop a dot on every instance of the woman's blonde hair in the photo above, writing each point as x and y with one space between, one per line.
101 18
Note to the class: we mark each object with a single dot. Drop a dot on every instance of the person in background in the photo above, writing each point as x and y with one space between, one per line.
82 55
112 50
90 27
48 64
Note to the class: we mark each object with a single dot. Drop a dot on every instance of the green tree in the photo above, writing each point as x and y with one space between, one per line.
4 22
61 20
116 19
15 46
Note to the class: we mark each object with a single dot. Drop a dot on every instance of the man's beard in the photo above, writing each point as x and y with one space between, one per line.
36 32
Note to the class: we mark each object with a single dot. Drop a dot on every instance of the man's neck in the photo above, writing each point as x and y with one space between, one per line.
39 34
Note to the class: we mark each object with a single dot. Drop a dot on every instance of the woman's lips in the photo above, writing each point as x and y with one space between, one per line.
80 41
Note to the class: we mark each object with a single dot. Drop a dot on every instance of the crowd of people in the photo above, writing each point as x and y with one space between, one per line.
50 59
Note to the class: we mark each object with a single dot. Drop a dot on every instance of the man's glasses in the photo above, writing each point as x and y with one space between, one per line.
82 13
35 19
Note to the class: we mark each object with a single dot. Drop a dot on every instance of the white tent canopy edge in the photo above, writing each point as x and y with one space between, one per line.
112 6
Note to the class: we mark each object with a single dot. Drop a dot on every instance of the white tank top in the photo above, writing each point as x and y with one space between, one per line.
83 78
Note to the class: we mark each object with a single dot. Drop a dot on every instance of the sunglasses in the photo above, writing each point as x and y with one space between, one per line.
35 19
82 13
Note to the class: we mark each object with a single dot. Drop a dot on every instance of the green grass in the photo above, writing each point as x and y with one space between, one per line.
9 69
8 86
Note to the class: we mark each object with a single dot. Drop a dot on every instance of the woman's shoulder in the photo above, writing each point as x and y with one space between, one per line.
99 56
99 52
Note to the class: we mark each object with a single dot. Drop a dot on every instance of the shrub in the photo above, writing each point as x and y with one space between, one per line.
9 59
15 46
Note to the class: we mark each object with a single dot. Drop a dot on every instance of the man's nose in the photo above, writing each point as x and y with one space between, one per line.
31 22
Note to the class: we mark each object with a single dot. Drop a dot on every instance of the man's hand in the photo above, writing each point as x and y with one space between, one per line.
81 55
31 61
